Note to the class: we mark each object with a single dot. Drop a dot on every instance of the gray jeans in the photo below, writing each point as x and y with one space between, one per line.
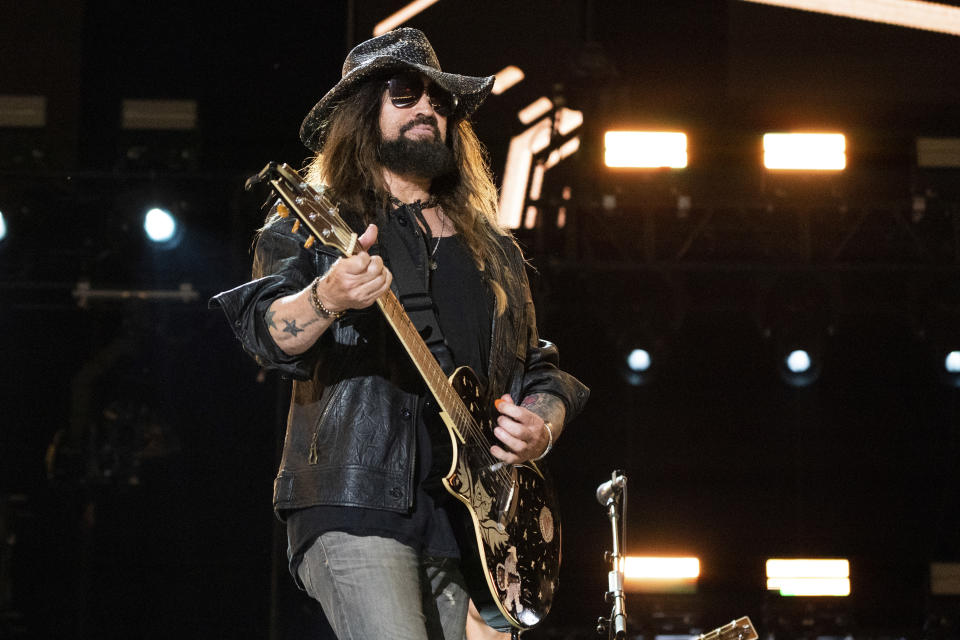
376 588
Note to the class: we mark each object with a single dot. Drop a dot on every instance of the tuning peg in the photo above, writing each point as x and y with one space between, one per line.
309 242
296 225
282 210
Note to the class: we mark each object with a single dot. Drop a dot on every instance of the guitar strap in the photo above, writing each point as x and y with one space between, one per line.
398 247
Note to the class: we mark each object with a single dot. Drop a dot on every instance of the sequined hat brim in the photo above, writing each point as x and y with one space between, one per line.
401 49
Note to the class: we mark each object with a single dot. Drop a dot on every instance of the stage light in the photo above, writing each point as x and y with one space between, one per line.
23 111
566 150
914 14
158 115
809 577
938 153
516 173
945 578
159 135
160 226
506 78
645 149
805 151
3 227
952 362
661 567
810 586
24 144
642 356
394 20
535 109
660 574
798 361
638 360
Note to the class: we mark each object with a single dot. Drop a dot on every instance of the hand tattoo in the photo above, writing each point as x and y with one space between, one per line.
268 316
547 406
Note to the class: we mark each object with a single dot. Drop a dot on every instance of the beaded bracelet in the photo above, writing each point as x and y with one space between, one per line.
322 311
549 427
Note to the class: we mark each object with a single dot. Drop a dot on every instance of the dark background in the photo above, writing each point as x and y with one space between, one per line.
149 516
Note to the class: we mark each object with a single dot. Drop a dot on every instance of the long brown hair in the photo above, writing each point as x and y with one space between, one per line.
349 166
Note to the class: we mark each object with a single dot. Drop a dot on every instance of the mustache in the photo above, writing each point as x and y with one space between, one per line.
421 119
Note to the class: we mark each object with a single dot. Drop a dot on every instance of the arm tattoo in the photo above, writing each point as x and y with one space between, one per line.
548 407
268 316
291 327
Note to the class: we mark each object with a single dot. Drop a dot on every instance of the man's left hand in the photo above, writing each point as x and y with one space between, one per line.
521 432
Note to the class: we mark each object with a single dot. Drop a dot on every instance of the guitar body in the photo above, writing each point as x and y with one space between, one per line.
514 513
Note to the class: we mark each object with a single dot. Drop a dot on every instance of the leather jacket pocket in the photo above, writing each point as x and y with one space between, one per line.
343 366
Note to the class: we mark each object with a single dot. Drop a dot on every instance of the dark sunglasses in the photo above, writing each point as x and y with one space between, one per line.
406 89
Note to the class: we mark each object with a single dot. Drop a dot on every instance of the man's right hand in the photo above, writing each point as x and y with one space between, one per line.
355 282
351 283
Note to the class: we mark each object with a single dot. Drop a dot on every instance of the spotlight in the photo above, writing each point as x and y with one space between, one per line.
506 78
3 227
798 361
645 149
799 366
656 574
641 359
160 226
396 19
805 151
516 174
809 577
952 362
638 360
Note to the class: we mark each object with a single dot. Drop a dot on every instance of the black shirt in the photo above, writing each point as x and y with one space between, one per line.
463 304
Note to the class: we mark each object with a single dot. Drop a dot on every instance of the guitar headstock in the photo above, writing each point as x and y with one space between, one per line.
739 629
313 208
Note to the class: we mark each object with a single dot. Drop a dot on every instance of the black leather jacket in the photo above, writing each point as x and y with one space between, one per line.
351 433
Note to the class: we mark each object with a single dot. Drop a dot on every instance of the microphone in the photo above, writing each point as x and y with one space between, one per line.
607 490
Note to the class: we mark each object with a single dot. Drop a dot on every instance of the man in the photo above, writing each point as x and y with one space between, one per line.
373 536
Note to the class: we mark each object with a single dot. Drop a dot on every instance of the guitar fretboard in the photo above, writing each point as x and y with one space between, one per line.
428 366
321 217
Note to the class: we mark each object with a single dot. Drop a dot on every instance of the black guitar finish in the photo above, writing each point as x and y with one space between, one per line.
513 508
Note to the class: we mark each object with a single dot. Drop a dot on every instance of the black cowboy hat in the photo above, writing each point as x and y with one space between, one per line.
403 48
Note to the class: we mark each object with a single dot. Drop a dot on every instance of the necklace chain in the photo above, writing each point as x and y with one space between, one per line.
443 225
430 202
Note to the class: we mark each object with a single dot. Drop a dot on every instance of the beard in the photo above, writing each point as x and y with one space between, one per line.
424 157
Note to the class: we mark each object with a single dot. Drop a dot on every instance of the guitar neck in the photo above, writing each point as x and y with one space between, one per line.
321 216
429 368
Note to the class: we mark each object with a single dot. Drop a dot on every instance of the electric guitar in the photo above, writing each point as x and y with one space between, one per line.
513 507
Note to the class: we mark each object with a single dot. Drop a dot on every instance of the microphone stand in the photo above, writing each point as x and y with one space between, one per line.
616 625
